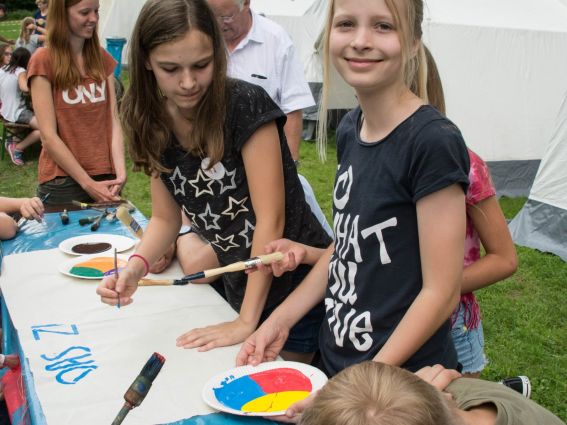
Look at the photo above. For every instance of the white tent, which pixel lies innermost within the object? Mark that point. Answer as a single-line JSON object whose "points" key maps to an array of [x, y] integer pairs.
{"points": [[542, 221], [503, 65]]}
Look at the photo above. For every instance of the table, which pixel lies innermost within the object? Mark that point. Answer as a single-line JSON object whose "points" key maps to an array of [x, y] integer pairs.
{"points": [[79, 356]]}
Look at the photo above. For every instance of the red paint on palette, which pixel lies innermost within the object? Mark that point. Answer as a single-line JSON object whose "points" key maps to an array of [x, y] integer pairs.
{"points": [[282, 379]]}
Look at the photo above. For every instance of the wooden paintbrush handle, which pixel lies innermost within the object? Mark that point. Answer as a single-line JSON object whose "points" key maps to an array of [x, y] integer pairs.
{"points": [[243, 265], [155, 282]]}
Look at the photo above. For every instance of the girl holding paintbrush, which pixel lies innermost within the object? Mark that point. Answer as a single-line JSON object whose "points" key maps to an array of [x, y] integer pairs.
{"points": [[215, 149]]}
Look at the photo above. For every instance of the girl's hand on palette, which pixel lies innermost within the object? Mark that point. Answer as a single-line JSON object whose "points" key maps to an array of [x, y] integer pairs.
{"points": [[221, 335], [293, 413], [294, 254], [101, 191], [264, 345], [110, 288]]}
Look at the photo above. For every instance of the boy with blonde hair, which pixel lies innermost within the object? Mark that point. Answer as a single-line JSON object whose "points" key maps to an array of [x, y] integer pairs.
{"points": [[372, 393]]}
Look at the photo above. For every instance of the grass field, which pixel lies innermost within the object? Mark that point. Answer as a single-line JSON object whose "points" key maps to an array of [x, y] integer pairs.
{"points": [[525, 316]]}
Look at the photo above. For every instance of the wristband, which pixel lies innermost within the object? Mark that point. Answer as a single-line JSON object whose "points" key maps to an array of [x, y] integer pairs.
{"points": [[146, 264], [2, 360]]}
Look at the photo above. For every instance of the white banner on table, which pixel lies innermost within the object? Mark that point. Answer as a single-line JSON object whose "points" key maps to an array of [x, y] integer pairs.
{"points": [[84, 355]]}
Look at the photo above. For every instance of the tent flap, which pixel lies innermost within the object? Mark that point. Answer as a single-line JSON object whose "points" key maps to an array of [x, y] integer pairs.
{"points": [[541, 226]]}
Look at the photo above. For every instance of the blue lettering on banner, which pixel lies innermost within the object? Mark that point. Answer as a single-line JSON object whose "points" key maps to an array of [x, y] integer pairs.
{"points": [[39, 328], [70, 365]]}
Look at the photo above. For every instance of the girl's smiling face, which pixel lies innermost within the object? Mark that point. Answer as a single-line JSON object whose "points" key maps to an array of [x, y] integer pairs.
{"points": [[83, 18], [183, 69], [364, 44]]}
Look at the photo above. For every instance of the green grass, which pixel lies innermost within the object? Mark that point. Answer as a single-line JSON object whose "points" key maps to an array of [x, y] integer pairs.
{"points": [[10, 29]]}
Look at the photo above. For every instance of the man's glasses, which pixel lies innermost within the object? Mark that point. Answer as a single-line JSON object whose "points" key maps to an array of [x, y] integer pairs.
{"points": [[7, 53], [227, 19]]}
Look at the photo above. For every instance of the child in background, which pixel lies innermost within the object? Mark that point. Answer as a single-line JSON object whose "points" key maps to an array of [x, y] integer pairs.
{"points": [[28, 38], [40, 15], [72, 86], [373, 393], [486, 225], [5, 54], [393, 277], [30, 208], [216, 150], [13, 87]]}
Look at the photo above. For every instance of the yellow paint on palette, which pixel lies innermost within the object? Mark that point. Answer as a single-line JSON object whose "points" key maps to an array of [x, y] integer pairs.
{"points": [[103, 264], [96, 267], [274, 402]]}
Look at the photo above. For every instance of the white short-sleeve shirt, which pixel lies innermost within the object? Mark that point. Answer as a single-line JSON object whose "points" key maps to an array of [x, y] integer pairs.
{"points": [[11, 95], [267, 57]]}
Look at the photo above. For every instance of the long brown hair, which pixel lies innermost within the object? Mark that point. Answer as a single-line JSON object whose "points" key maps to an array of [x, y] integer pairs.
{"points": [[25, 34], [146, 123], [408, 15], [66, 72]]}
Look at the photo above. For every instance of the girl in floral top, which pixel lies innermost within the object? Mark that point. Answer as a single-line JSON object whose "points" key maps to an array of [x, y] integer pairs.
{"points": [[486, 225]]}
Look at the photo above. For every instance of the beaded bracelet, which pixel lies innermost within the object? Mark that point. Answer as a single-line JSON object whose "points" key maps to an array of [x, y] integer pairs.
{"points": [[146, 264]]}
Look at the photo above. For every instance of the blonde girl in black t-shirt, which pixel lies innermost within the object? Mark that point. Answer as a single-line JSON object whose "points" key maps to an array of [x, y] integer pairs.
{"points": [[392, 278]]}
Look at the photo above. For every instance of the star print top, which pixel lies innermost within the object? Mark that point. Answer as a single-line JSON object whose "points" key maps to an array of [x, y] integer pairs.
{"points": [[217, 201]]}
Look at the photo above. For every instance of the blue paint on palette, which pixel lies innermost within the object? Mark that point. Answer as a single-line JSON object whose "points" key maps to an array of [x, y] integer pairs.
{"points": [[237, 393]]}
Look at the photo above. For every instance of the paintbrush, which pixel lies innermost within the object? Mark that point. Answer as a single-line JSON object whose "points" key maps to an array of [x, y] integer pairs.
{"points": [[100, 206], [116, 272], [96, 223], [88, 220], [127, 220], [64, 217], [140, 387], [23, 220], [234, 267]]}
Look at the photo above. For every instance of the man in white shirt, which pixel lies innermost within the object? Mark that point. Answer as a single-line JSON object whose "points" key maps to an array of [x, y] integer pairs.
{"points": [[261, 52]]}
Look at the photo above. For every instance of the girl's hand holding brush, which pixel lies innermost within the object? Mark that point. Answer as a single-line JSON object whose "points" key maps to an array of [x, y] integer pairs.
{"points": [[125, 285], [32, 208]]}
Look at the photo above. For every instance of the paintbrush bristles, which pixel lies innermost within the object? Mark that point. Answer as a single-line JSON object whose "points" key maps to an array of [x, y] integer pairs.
{"points": [[128, 221], [153, 366]]}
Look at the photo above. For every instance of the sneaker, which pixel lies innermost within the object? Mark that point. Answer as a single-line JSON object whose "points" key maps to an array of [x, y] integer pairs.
{"points": [[7, 143], [520, 384], [15, 154]]}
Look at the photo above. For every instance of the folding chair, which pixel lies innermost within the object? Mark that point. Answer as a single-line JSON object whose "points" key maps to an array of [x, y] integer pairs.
{"points": [[11, 129]]}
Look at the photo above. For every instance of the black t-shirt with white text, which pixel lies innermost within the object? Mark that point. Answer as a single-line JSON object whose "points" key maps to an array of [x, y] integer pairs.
{"points": [[375, 271]]}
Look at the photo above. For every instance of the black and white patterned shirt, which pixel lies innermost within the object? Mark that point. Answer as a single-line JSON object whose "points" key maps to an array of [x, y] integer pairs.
{"points": [[218, 203]]}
